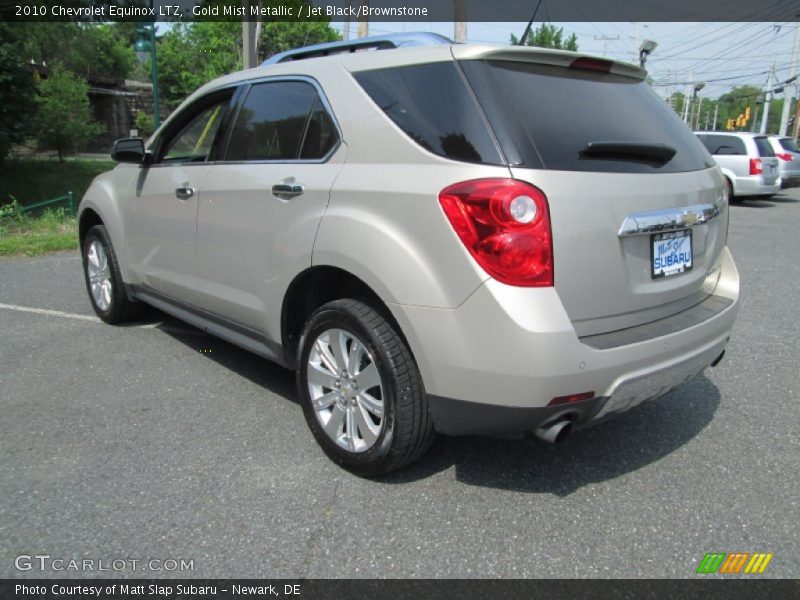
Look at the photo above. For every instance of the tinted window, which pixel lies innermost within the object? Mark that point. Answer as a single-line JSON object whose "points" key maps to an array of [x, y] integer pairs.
{"points": [[723, 144], [789, 144], [546, 116], [764, 147], [271, 122], [321, 134], [432, 105], [192, 142]]}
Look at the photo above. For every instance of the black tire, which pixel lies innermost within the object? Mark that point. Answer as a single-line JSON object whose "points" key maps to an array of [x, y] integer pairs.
{"points": [[407, 430], [729, 190], [121, 308]]}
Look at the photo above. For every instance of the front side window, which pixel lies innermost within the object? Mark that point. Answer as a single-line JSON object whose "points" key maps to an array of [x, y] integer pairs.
{"points": [[193, 141], [281, 120]]}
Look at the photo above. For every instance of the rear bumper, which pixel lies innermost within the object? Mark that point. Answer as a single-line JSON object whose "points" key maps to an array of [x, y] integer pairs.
{"points": [[754, 186], [790, 180], [494, 364]]}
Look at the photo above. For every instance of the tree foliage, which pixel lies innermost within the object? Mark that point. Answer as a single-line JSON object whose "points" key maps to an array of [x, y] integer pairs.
{"points": [[87, 49], [64, 120], [548, 35], [17, 90], [191, 54]]}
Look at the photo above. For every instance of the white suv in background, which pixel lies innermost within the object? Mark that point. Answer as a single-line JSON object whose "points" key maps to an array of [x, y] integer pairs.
{"points": [[788, 155], [747, 161]]}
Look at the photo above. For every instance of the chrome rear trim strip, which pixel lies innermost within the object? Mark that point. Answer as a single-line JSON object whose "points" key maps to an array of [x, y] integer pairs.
{"points": [[669, 219]]}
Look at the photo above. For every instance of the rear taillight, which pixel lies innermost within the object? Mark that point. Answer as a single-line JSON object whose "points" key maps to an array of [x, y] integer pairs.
{"points": [[784, 156], [505, 225], [755, 166]]}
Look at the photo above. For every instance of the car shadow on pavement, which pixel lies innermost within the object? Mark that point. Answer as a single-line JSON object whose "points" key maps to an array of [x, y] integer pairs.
{"points": [[258, 370], [753, 203], [784, 199], [630, 442]]}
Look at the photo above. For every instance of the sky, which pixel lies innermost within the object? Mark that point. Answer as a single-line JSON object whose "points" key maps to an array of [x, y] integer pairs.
{"points": [[720, 54]]}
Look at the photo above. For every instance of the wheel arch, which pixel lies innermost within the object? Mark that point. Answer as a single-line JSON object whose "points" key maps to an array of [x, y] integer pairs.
{"points": [[318, 285]]}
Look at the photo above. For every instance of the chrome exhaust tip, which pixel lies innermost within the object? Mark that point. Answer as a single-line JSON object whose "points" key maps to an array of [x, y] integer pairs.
{"points": [[554, 433]]}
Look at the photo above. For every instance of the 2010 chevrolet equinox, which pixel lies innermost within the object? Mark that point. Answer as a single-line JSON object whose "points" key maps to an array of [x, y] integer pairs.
{"points": [[455, 238]]}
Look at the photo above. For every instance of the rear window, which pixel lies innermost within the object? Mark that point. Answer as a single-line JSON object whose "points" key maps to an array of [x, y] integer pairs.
{"points": [[432, 105], [764, 147], [544, 117], [723, 144], [789, 144]]}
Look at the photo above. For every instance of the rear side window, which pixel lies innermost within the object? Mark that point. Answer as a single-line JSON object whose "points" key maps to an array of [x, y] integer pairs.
{"points": [[274, 120], [545, 117], [433, 106], [723, 144], [764, 147], [789, 145]]}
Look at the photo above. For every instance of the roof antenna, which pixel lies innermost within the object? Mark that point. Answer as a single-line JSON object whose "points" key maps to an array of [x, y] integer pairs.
{"points": [[527, 31]]}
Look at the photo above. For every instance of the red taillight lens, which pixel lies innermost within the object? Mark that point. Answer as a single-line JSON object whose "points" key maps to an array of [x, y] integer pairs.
{"points": [[505, 225], [784, 156], [755, 166]]}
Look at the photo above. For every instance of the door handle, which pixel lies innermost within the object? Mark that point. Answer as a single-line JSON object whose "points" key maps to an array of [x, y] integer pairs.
{"points": [[184, 193], [287, 189]]}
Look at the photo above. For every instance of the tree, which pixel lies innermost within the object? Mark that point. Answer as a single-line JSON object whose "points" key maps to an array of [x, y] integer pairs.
{"points": [[279, 36], [87, 49], [549, 36], [191, 54], [17, 90], [64, 120]]}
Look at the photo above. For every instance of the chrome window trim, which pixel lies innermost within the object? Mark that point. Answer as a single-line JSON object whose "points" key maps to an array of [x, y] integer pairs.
{"points": [[669, 219], [326, 105]]}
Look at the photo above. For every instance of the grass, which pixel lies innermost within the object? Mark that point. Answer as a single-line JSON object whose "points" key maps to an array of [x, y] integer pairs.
{"points": [[34, 180], [31, 236]]}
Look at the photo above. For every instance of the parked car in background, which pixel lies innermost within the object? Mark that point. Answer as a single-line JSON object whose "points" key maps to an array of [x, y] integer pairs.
{"points": [[788, 155], [747, 161], [432, 237]]}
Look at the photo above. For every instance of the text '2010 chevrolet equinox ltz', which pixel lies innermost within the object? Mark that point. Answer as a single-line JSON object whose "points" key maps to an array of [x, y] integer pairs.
{"points": [[454, 238]]}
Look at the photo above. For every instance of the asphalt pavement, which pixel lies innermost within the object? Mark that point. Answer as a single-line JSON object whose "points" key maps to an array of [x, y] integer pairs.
{"points": [[157, 442]]}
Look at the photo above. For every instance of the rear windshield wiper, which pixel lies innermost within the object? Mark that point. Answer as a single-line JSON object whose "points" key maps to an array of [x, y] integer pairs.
{"points": [[630, 150]]}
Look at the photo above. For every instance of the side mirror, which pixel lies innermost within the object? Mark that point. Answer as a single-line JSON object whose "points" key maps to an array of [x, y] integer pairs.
{"points": [[129, 150]]}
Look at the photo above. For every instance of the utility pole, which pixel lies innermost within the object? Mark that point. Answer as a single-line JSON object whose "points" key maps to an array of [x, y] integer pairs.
{"points": [[606, 38], [460, 21], [716, 113], [346, 24], [767, 100], [688, 99], [363, 21], [788, 94]]}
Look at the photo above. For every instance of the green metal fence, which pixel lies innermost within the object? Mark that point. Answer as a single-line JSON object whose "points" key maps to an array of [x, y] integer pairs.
{"points": [[67, 199]]}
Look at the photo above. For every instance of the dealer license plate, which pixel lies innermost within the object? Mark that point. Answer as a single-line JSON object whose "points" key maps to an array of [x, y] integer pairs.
{"points": [[671, 253]]}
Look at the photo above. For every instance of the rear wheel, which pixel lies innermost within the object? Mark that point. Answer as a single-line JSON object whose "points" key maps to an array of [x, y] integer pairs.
{"points": [[361, 391], [729, 191], [104, 281]]}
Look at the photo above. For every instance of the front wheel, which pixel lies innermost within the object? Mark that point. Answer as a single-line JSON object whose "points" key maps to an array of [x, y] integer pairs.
{"points": [[361, 391], [104, 281]]}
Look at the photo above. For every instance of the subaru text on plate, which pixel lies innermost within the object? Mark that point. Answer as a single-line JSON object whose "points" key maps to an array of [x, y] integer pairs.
{"points": [[445, 238]]}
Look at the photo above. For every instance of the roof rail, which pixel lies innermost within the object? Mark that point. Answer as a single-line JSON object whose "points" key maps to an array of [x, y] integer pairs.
{"points": [[376, 42]]}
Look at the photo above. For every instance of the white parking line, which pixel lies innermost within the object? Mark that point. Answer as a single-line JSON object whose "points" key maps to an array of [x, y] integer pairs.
{"points": [[67, 315], [51, 313]]}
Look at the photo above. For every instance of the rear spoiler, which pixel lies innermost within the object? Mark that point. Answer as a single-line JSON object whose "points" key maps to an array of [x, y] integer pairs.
{"points": [[547, 56]]}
